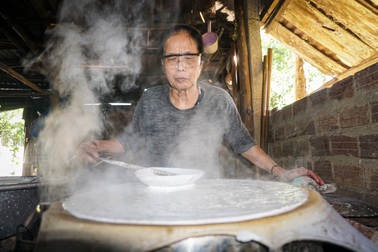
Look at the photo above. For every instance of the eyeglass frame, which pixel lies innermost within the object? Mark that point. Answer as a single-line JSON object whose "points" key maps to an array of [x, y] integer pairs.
{"points": [[179, 55]]}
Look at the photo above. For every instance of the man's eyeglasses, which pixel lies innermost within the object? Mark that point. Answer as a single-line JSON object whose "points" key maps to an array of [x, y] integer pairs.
{"points": [[188, 60]]}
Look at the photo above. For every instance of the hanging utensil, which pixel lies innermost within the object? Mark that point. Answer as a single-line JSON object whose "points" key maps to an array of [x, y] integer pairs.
{"points": [[210, 40]]}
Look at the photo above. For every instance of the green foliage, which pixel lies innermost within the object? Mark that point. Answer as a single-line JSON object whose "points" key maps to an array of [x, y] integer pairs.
{"points": [[315, 79], [12, 132], [283, 73]]}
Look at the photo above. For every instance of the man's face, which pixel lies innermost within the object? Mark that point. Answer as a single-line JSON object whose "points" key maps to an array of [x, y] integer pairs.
{"points": [[182, 72]]}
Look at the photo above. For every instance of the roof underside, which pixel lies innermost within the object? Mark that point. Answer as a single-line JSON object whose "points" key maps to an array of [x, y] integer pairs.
{"points": [[337, 37], [29, 29]]}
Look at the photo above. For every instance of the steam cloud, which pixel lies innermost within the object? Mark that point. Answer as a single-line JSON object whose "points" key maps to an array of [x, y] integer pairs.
{"points": [[91, 44]]}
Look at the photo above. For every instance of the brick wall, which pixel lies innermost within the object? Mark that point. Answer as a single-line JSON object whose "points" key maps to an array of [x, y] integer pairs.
{"points": [[334, 132]]}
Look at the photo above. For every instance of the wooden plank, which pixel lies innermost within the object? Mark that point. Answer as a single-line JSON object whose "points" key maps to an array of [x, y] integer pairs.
{"points": [[14, 41], [370, 5], [361, 20], [22, 78], [19, 93], [374, 2], [20, 31], [311, 21], [275, 11], [325, 64], [269, 13], [366, 63]]}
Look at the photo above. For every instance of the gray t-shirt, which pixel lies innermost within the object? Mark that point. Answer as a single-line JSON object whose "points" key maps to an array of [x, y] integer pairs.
{"points": [[165, 136]]}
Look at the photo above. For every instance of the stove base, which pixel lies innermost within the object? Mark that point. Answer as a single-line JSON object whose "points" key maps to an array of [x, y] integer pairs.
{"points": [[315, 221]]}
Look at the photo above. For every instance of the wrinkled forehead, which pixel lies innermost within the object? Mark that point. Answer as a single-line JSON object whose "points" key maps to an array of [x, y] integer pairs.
{"points": [[180, 42]]}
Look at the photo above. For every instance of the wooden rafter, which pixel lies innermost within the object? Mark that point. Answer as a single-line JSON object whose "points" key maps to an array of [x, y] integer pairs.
{"points": [[20, 31], [328, 33], [306, 51], [22, 78]]}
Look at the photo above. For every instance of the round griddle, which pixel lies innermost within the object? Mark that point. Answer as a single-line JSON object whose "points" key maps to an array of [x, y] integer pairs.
{"points": [[207, 202]]}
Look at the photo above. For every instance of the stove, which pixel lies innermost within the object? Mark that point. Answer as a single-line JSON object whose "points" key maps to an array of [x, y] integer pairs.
{"points": [[213, 214]]}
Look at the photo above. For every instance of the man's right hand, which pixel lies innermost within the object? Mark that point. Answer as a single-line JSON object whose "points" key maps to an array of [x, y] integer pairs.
{"points": [[88, 151]]}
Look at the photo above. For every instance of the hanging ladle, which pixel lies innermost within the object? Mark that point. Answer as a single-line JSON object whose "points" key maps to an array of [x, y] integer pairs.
{"points": [[210, 40]]}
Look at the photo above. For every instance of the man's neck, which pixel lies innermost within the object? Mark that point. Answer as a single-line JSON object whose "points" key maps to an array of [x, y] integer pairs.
{"points": [[184, 99]]}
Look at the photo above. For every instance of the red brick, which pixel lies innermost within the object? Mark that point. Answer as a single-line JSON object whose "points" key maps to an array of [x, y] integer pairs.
{"points": [[287, 113], [374, 112], [299, 106], [372, 180], [274, 116], [368, 82], [319, 97], [309, 165], [277, 151], [369, 146], [301, 148], [270, 134], [291, 130], [306, 128], [279, 134], [367, 78], [342, 89], [372, 186], [355, 116], [324, 169], [327, 123], [366, 71], [287, 149], [301, 162], [349, 175], [344, 145], [320, 146]]}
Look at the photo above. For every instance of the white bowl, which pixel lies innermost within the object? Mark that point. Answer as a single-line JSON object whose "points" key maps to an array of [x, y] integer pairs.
{"points": [[176, 176]]}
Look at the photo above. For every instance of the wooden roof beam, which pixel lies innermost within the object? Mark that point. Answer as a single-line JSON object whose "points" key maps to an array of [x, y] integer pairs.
{"points": [[364, 21], [21, 32], [22, 78], [12, 39], [300, 47], [275, 11], [309, 20]]}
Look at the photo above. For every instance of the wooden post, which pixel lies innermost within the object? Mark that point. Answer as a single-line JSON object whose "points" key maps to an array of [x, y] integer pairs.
{"points": [[234, 76], [245, 94], [300, 79], [250, 65], [268, 59], [255, 62]]}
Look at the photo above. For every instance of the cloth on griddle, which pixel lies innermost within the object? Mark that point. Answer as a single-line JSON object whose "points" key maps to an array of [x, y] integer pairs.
{"points": [[308, 182]]}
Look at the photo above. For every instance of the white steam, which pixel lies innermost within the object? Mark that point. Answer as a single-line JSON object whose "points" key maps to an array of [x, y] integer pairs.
{"points": [[90, 45]]}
